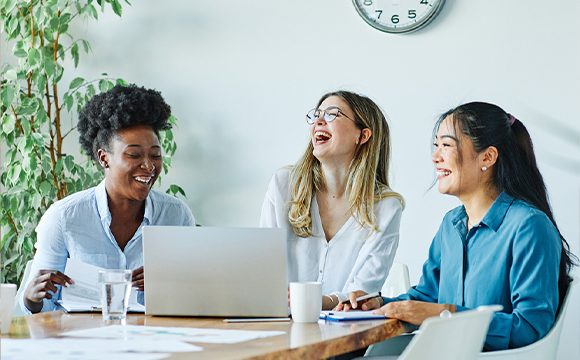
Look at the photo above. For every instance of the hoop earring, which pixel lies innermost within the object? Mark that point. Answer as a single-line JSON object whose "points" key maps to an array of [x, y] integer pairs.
{"points": [[484, 168]]}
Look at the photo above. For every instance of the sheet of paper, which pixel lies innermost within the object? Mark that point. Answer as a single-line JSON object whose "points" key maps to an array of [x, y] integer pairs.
{"points": [[349, 315], [85, 293], [89, 349], [214, 336]]}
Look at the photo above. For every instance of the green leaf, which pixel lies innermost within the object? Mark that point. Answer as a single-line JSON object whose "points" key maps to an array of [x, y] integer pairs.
{"points": [[48, 66], [46, 164], [9, 6], [25, 110], [54, 24], [103, 85], [117, 7], [95, 13], [86, 46], [15, 173], [62, 3], [59, 73], [177, 189], [41, 84], [76, 83], [122, 82], [21, 53], [45, 188], [8, 123], [7, 96], [69, 101], [11, 75], [33, 57], [75, 54], [69, 162], [59, 166], [91, 91]]}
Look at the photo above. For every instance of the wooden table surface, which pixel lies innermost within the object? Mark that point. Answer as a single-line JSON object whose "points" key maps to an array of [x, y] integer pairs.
{"points": [[300, 341]]}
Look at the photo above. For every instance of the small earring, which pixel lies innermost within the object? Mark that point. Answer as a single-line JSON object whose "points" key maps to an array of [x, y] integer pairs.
{"points": [[105, 165], [484, 168]]}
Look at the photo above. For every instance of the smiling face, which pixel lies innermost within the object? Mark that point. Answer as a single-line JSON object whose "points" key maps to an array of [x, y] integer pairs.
{"points": [[133, 164], [336, 140], [459, 177]]}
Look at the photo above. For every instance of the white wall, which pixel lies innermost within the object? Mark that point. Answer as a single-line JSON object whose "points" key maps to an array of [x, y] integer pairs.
{"points": [[240, 75]]}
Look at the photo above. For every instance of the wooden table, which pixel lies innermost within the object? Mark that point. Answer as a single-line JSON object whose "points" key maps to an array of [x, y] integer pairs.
{"points": [[301, 341]]}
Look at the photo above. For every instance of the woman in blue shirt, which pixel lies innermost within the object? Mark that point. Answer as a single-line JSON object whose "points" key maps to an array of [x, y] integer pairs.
{"points": [[102, 226], [502, 246]]}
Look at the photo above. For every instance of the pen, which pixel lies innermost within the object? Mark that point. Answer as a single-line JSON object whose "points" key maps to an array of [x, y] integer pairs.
{"points": [[364, 297]]}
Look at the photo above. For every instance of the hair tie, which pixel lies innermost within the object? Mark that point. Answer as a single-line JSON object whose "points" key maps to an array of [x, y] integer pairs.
{"points": [[512, 119]]}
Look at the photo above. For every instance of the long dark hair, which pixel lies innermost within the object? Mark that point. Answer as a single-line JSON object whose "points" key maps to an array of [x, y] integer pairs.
{"points": [[515, 170]]}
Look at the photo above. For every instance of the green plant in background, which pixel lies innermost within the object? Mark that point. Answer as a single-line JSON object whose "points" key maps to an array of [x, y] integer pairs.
{"points": [[37, 115]]}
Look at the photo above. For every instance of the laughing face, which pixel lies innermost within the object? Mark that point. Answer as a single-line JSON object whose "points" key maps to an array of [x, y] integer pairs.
{"points": [[456, 178], [336, 140], [133, 164]]}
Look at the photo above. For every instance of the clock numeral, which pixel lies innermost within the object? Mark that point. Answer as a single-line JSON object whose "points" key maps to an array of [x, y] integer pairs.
{"points": [[395, 19], [412, 14], [424, 2], [380, 13], [367, 2]]}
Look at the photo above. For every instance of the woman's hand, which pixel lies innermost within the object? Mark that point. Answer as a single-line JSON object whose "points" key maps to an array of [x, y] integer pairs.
{"points": [[365, 305], [138, 281], [38, 289], [414, 312]]}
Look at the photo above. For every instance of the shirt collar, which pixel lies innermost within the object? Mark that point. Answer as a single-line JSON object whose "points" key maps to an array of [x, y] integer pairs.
{"points": [[103, 204], [494, 216], [498, 211]]}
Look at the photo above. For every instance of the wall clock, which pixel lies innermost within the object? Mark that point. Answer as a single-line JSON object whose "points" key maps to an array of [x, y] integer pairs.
{"points": [[398, 16]]}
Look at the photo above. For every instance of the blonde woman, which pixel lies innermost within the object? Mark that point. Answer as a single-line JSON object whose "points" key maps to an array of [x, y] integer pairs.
{"points": [[341, 215]]}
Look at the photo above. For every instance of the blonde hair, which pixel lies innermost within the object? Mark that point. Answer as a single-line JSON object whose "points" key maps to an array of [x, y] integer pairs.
{"points": [[367, 174]]}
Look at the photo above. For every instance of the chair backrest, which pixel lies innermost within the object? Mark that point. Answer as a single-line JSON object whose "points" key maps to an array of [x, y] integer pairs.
{"points": [[17, 310], [397, 282], [458, 337], [544, 349]]}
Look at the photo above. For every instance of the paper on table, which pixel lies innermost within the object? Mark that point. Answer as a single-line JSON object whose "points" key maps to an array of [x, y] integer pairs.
{"points": [[214, 336], [91, 349], [85, 294], [349, 315], [76, 345]]}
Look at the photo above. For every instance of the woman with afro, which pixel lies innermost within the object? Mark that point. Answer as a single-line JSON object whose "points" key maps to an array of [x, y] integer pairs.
{"points": [[102, 226]]}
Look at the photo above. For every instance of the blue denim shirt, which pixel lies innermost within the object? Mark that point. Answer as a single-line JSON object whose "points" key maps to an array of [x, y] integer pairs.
{"points": [[511, 258], [78, 227]]}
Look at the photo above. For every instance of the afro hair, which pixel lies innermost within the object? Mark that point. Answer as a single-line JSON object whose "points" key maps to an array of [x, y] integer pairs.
{"points": [[120, 108]]}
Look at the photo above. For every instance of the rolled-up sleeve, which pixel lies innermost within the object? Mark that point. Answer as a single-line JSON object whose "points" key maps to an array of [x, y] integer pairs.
{"points": [[51, 254]]}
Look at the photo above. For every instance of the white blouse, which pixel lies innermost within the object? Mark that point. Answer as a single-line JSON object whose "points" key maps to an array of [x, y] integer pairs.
{"points": [[351, 260]]}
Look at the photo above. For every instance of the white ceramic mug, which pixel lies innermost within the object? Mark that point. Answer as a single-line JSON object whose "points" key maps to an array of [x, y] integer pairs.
{"points": [[305, 301], [7, 294]]}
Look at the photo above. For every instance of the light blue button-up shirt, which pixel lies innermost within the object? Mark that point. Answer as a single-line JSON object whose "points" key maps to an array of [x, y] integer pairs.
{"points": [[511, 258], [78, 227]]}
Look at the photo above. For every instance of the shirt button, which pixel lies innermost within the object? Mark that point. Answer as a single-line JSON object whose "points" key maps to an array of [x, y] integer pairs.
{"points": [[321, 271]]}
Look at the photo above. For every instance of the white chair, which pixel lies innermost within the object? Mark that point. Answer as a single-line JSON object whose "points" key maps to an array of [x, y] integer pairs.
{"points": [[458, 337], [397, 282], [17, 310], [544, 349]]}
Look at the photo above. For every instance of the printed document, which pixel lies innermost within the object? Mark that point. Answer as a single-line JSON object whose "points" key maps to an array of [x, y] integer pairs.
{"points": [[85, 294]]}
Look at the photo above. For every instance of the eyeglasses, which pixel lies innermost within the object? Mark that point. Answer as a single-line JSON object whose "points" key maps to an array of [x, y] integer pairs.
{"points": [[329, 115]]}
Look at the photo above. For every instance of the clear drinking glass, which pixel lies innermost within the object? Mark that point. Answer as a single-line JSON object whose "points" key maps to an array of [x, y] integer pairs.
{"points": [[115, 290]]}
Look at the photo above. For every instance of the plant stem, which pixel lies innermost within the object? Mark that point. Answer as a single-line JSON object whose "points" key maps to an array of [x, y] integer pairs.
{"points": [[12, 223]]}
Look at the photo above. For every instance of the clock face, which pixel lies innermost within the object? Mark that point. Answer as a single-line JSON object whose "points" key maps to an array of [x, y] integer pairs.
{"points": [[398, 16]]}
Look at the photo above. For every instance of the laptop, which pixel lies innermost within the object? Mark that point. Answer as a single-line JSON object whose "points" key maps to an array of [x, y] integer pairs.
{"points": [[215, 271]]}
